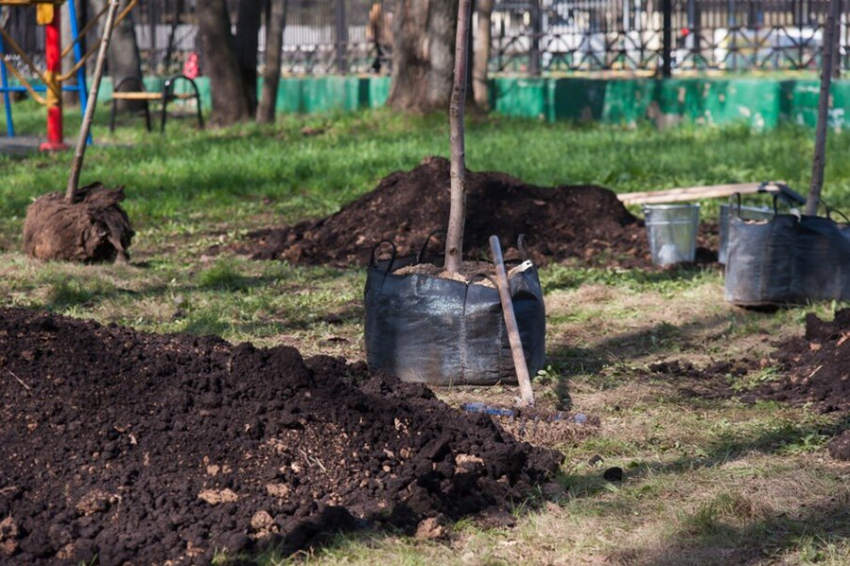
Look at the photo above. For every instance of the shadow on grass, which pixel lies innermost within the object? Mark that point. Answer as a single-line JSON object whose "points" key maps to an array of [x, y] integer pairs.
{"points": [[654, 340], [787, 438], [728, 531]]}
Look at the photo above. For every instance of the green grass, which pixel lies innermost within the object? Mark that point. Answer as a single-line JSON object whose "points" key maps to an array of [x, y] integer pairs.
{"points": [[709, 480]]}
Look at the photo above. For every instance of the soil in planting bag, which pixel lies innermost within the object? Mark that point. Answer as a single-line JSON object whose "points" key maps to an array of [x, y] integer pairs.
{"points": [[788, 260], [422, 328]]}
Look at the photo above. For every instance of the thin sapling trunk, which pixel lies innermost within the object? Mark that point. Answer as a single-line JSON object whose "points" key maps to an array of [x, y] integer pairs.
{"points": [[819, 161], [457, 212], [79, 153]]}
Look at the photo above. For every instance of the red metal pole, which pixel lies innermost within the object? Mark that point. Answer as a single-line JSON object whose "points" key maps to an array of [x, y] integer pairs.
{"points": [[53, 59]]}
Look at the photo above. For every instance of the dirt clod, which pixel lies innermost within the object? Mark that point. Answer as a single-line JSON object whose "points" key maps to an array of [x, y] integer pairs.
{"points": [[262, 521], [9, 534], [613, 474], [430, 529], [111, 450], [93, 229], [584, 224]]}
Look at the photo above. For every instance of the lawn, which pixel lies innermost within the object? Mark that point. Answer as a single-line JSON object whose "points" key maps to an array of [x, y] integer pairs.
{"points": [[708, 480]]}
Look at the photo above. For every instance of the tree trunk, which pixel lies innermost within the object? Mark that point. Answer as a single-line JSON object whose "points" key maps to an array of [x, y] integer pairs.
{"points": [[247, 46], [423, 54], [819, 161], [123, 59], [457, 212], [275, 24], [482, 55], [229, 98], [68, 60]]}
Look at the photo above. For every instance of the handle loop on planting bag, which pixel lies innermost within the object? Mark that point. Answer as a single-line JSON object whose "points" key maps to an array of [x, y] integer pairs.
{"points": [[372, 261]]}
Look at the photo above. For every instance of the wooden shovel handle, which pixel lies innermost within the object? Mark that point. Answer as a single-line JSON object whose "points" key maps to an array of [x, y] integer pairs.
{"points": [[510, 323]]}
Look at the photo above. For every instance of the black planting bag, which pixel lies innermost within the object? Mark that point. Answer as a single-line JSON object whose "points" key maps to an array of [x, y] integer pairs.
{"points": [[421, 328], [759, 261], [822, 256], [787, 260]]}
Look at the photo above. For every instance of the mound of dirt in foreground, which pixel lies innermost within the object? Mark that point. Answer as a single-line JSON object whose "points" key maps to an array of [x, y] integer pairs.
{"points": [[817, 366], [583, 223], [152, 448]]}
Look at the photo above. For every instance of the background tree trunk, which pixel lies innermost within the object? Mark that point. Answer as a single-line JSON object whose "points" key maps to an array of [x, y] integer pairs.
{"points": [[482, 55], [247, 46], [68, 60], [275, 24], [423, 54], [229, 99], [123, 59]]}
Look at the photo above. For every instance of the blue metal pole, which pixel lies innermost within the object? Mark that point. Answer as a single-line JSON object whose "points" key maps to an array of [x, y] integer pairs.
{"points": [[7, 102], [78, 55]]}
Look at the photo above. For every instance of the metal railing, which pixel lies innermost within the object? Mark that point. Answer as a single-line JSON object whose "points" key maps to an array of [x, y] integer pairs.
{"points": [[534, 37], [320, 37], [661, 36]]}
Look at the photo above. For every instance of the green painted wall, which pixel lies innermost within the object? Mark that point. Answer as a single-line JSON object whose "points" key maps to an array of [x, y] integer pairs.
{"points": [[762, 103], [305, 95]]}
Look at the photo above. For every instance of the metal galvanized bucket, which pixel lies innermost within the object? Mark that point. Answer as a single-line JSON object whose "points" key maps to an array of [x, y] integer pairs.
{"points": [[672, 232], [742, 212]]}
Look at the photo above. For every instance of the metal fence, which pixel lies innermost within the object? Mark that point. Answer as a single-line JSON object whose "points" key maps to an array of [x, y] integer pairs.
{"points": [[659, 35], [320, 37], [533, 37]]}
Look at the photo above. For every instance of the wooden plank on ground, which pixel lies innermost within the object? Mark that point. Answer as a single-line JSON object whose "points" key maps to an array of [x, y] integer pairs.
{"points": [[690, 193]]}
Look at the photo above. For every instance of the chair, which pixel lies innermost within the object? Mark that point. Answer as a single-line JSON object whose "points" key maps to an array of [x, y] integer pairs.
{"points": [[137, 92]]}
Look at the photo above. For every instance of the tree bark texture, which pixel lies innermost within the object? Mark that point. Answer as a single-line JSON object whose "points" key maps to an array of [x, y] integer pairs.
{"points": [[123, 59], [247, 46], [229, 98], [423, 54], [271, 74], [482, 55], [457, 212]]}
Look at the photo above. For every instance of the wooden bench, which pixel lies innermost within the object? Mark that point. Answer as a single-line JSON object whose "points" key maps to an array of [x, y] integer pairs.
{"points": [[137, 92]]}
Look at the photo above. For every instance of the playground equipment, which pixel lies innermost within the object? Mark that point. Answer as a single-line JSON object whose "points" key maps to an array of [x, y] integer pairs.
{"points": [[48, 14]]}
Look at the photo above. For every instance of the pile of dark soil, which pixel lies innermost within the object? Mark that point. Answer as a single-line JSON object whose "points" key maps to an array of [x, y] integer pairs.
{"points": [[92, 229], [162, 448], [586, 224], [816, 366]]}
